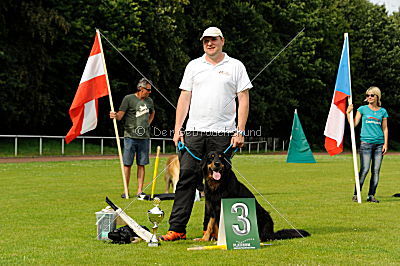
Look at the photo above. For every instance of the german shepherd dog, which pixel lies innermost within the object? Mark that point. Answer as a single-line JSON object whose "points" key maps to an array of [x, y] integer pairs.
{"points": [[221, 182]]}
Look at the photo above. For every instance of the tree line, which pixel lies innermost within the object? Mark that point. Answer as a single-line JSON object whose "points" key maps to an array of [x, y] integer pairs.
{"points": [[44, 46]]}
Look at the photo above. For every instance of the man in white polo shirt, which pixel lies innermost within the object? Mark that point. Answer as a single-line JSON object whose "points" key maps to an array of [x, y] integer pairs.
{"points": [[209, 89]]}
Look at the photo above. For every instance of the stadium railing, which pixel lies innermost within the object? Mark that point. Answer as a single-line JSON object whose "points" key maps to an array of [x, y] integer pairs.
{"points": [[265, 145]]}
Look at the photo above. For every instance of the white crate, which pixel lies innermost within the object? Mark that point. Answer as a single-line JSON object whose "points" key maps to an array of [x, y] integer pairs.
{"points": [[106, 222]]}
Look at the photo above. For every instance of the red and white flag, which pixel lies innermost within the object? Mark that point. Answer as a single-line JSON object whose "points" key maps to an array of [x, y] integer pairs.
{"points": [[93, 85]]}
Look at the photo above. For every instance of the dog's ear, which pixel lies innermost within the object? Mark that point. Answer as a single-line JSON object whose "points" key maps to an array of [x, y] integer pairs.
{"points": [[204, 160], [203, 165], [226, 160]]}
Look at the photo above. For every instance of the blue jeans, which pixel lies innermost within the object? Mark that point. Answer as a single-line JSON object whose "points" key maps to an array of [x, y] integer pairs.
{"points": [[140, 147], [370, 153]]}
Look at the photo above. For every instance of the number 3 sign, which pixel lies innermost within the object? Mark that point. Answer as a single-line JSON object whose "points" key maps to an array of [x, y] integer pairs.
{"points": [[238, 224]]}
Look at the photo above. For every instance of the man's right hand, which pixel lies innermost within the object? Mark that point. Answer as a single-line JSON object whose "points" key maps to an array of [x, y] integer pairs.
{"points": [[113, 114], [178, 136]]}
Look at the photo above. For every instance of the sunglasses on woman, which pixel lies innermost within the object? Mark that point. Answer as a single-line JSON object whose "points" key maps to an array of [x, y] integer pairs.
{"points": [[370, 95]]}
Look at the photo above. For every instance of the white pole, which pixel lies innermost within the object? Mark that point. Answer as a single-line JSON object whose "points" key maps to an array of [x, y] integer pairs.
{"points": [[40, 146], [16, 146], [62, 146], [353, 139], [114, 120], [149, 146]]}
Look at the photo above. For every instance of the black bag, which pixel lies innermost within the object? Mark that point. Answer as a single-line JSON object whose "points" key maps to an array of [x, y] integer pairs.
{"points": [[123, 235]]}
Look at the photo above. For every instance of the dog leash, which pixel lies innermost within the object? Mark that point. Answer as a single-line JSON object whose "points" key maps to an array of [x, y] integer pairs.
{"points": [[182, 146], [234, 151]]}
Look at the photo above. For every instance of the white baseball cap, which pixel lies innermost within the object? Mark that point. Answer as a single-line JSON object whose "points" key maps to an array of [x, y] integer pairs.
{"points": [[212, 32]]}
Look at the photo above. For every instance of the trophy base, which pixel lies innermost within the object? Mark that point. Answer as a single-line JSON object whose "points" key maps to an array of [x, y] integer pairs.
{"points": [[153, 244]]}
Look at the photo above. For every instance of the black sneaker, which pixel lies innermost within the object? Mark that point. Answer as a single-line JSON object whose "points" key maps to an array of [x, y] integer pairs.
{"points": [[372, 199], [354, 198], [123, 196]]}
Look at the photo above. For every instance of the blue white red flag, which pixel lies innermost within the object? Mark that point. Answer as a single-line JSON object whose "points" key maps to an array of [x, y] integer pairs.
{"points": [[334, 128]]}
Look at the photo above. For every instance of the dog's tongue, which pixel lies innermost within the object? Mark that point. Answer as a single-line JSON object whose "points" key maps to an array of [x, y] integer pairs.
{"points": [[216, 175]]}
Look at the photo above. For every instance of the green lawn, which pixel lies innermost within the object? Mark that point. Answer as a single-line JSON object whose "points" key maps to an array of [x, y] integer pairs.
{"points": [[48, 215]]}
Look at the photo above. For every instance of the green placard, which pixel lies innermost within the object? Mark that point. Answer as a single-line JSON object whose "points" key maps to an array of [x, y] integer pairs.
{"points": [[299, 150], [238, 224]]}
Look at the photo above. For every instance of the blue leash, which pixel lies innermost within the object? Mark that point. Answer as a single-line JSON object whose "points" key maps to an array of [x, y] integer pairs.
{"points": [[182, 146], [230, 146]]}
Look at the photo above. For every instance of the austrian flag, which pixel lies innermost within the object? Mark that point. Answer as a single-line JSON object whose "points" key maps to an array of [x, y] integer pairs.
{"points": [[334, 128], [93, 85]]}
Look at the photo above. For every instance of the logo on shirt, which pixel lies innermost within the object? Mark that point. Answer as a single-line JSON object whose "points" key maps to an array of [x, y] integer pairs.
{"points": [[142, 110], [224, 73], [373, 120]]}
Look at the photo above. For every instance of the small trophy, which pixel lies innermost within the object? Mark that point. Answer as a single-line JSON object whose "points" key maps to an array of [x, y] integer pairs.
{"points": [[156, 215]]}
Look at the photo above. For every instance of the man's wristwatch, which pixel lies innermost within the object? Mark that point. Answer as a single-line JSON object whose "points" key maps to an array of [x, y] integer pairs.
{"points": [[240, 132]]}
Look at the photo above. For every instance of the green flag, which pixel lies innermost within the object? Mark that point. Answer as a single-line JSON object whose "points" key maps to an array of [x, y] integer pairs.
{"points": [[299, 150]]}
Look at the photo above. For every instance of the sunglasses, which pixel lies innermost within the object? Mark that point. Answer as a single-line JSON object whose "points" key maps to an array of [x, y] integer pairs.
{"points": [[146, 89], [370, 95]]}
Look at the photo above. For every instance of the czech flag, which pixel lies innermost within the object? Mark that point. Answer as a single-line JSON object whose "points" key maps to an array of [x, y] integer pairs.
{"points": [[334, 128], [93, 85]]}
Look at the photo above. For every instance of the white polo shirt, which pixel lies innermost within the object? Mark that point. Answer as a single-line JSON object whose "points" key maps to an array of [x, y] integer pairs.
{"points": [[214, 88]]}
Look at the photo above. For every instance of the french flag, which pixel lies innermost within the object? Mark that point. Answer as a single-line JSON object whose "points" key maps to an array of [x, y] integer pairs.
{"points": [[334, 128], [93, 85]]}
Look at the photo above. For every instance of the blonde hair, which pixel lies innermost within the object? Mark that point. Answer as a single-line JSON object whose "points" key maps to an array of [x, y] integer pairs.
{"points": [[376, 91]]}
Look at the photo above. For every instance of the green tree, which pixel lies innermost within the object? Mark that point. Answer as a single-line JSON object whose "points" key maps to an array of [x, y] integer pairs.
{"points": [[29, 32], [45, 45]]}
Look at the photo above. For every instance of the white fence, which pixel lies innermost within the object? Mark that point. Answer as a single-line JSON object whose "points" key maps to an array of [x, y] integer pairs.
{"points": [[261, 146]]}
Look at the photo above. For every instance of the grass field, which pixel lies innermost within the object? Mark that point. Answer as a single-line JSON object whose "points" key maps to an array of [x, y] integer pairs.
{"points": [[48, 215]]}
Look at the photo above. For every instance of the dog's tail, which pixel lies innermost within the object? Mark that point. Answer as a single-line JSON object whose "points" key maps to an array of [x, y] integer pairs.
{"points": [[290, 233]]}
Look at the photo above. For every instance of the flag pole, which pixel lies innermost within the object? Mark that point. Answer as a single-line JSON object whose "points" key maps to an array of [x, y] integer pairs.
{"points": [[353, 139], [114, 120]]}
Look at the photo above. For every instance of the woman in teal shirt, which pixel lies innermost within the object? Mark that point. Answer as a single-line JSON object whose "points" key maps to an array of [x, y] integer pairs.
{"points": [[374, 139]]}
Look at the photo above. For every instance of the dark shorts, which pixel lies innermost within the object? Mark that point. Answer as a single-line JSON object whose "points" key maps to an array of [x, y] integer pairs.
{"points": [[140, 147]]}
